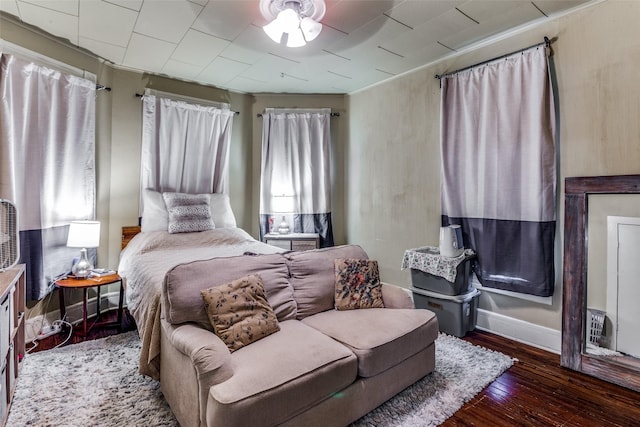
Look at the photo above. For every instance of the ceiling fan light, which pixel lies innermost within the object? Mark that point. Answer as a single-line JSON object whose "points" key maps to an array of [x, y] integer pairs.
{"points": [[310, 28], [289, 20], [296, 39], [274, 31]]}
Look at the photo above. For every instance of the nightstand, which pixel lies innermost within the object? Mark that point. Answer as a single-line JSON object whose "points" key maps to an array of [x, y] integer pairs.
{"points": [[85, 284], [293, 241]]}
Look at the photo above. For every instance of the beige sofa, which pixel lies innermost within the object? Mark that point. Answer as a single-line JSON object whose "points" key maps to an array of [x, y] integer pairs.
{"points": [[324, 367]]}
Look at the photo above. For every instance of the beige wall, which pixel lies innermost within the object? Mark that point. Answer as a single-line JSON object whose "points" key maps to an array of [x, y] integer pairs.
{"points": [[340, 162], [394, 180]]}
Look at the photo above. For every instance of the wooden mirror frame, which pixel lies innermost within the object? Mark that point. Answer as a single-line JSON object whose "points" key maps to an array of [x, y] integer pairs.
{"points": [[574, 292]]}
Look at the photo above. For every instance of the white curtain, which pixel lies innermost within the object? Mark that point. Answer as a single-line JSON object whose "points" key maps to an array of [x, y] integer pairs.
{"points": [[47, 162], [185, 146], [499, 169], [296, 171]]}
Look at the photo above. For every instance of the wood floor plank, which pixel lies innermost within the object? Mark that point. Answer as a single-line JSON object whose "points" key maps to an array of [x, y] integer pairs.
{"points": [[537, 391]]}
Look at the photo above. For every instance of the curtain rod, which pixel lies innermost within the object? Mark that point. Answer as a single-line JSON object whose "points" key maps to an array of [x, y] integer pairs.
{"points": [[140, 95], [545, 43], [332, 115]]}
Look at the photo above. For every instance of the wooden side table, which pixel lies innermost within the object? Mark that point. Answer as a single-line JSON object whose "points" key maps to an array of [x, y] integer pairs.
{"points": [[85, 284]]}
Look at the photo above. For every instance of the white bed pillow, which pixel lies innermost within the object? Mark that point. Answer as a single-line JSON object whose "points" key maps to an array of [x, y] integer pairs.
{"points": [[155, 216], [221, 212]]}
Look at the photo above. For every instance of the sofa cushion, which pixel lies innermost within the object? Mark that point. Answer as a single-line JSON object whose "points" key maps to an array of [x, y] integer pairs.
{"points": [[357, 284], [313, 277], [379, 337], [239, 311], [182, 301], [280, 375]]}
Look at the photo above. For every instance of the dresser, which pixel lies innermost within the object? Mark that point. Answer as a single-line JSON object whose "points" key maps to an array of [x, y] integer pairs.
{"points": [[12, 345], [293, 241]]}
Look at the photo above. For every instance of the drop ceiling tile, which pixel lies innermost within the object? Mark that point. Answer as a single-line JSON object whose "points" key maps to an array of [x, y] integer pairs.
{"points": [[319, 64], [243, 84], [225, 19], [414, 13], [349, 15], [221, 71], [498, 23], [425, 55], [166, 20], [431, 31], [59, 24], [375, 33], [104, 50], [181, 70], [269, 67], [198, 48], [106, 22], [10, 6], [251, 45], [70, 7], [147, 53], [487, 10], [129, 4], [550, 7]]}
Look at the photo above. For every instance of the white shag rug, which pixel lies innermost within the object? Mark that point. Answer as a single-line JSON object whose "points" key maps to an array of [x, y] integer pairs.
{"points": [[96, 383]]}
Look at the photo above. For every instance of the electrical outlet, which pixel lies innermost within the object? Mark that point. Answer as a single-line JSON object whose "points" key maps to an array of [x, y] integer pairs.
{"points": [[47, 331]]}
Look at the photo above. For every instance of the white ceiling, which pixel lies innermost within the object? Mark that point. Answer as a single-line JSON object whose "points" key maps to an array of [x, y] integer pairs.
{"points": [[221, 42]]}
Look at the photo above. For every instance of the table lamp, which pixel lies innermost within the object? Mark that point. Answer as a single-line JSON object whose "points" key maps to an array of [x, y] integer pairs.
{"points": [[283, 204], [83, 234]]}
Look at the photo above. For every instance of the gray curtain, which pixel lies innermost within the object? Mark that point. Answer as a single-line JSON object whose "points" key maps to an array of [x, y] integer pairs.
{"points": [[499, 169], [47, 162], [185, 145], [295, 181]]}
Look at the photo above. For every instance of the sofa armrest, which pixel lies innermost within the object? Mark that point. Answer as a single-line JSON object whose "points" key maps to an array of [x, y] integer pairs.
{"points": [[396, 297], [208, 353]]}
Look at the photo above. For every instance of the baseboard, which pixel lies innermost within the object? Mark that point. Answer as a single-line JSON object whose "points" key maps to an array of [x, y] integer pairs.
{"points": [[519, 330], [33, 325]]}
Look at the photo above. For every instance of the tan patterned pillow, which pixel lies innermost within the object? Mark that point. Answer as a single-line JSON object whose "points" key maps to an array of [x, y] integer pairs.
{"points": [[357, 284], [239, 311]]}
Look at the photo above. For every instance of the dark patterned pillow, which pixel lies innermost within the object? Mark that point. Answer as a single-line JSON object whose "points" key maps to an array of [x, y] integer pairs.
{"points": [[239, 311], [357, 284], [188, 212]]}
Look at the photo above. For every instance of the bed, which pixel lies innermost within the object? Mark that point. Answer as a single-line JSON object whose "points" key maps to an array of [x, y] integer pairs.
{"points": [[148, 255]]}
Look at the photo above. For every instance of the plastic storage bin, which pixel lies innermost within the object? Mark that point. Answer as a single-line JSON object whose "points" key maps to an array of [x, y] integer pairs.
{"points": [[456, 314], [433, 283]]}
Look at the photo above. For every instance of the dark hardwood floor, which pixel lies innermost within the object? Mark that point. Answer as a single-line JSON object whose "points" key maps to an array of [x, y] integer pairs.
{"points": [[536, 391]]}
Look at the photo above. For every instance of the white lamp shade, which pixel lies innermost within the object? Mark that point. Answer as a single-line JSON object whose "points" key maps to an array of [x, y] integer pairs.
{"points": [[296, 39], [310, 28], [282, 203], [288, 20], [274, 31], [84, 234]]}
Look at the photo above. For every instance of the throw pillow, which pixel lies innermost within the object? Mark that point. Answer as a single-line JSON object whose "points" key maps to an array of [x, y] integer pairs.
{"points": [[188, 212], [239, 311], [357, 284]]}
